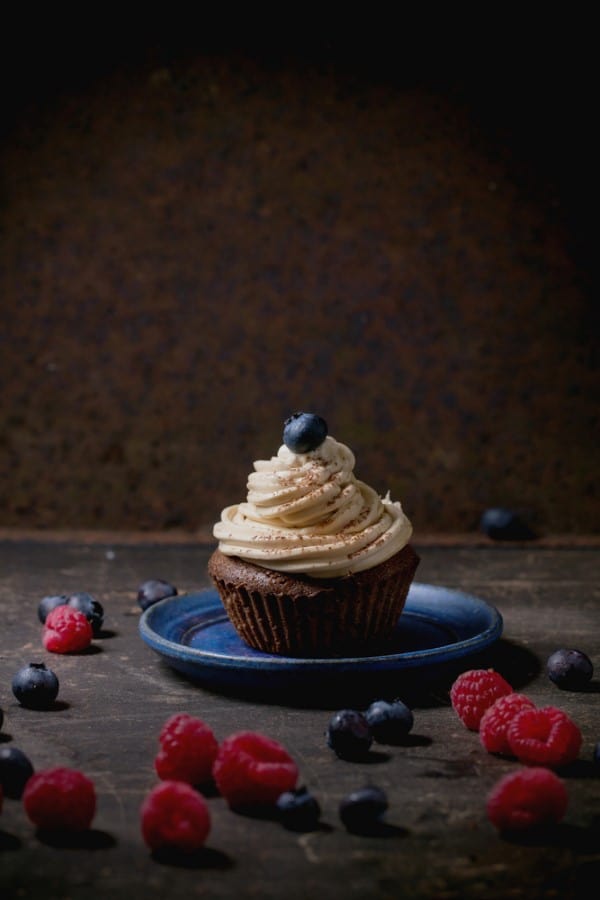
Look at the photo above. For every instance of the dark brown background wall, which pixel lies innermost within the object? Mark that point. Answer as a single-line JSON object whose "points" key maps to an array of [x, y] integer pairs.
{"points": [[199, 237]]}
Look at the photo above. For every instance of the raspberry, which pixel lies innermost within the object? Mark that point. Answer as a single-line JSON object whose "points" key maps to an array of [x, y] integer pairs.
{"points": [[544, 737], [526, 798], [66, 630], [474, 691], [187, 750], [497, 718], [174, 815], [60, 798], [253, 770]]}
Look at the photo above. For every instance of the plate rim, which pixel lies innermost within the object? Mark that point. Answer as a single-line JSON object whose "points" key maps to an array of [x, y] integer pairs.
{"points": [[191, 656]]}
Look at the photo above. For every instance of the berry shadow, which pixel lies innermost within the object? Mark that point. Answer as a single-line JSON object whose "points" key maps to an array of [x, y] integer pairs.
{"points": [[204, 858], [269, 813], [55, 706], [5, 738], [379, 830], [9, 841], [106, 634], [90, 650], [593, 687], [579, 839], [90, 839], [411, 740], [580, 768]]}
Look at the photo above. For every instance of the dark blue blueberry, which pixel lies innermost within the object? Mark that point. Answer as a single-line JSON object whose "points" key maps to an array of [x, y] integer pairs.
{"points": [[90, 607], [298, 810], [47, 604], [153, 590], [304, 432], [15, 771], [570, 670], [502, 524], [35, 686], [596, 753], [349, 735], [389, 722], [362, 810]]}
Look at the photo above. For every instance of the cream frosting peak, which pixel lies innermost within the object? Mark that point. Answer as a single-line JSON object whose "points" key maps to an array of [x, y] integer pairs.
{"points": [[307, 513]]}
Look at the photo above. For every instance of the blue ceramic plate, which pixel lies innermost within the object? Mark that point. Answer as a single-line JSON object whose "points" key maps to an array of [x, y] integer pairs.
{"points": [[438, 627]]}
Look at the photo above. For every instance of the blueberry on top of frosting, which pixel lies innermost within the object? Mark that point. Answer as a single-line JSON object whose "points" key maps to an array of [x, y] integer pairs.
{"points": [[304, 432]]}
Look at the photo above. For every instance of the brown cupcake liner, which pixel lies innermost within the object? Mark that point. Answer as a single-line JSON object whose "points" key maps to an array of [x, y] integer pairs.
{"points": [[352, 615]]}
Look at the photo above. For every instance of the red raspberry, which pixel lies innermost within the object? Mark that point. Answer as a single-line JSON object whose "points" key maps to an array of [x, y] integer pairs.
{"points": [[187, 750], [174, 815], [60, 798], [544, 737], [474, 691], [253, 770], [66, 630], [497, 718], [526, 798]]}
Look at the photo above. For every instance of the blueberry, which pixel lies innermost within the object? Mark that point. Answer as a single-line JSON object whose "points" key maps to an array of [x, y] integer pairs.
{"points": [[90, 607], [502, 524], [153, 590], [362, 810], [47, 604], [298, 810], [35, 686], [389, 722], [15, 771], [349, 735], [570, 670], [304, 432], [596, 753]]}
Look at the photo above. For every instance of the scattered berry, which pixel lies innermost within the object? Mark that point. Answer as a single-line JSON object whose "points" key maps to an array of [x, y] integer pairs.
{"points": [[176, 816], [60, 798], [253, 770], [35, 686], [304, 432], [544, 737], [15, 771], [298, 810], [526, 798], [502, 524], [474, 691], [349, 735], [188, 749], [66, 631], [570, 670], [47, 604], [153, 590], [362, 810], [497, 718], [91, 608], [389, 723]]}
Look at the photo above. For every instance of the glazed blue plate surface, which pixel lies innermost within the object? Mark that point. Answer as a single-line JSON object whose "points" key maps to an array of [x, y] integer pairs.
{"points": [[438, 626]]}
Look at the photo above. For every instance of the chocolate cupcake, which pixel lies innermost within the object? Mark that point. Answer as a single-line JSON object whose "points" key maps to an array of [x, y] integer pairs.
{"points": [[315, 563]]}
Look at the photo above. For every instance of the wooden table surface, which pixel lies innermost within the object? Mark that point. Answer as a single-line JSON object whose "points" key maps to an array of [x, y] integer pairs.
{"points": [[114, 701]]}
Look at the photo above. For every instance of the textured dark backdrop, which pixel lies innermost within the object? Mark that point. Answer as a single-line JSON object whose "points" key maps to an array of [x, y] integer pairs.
{"points": [[199, 237]]}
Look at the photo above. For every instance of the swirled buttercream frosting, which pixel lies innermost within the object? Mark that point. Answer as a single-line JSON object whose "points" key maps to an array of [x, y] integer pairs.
{"points": [[307, 513]]}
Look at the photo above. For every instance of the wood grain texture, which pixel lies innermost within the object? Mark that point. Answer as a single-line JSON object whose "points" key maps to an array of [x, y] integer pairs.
{"points": [[114, 700]]}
